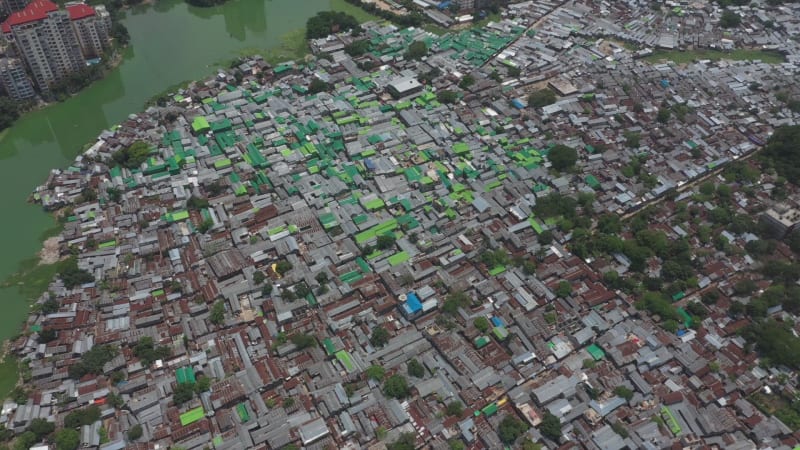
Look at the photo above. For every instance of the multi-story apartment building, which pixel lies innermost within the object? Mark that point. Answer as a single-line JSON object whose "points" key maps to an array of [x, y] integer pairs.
{"points": [[54, 43], [14, 79], [10, 6], [90, 29]]}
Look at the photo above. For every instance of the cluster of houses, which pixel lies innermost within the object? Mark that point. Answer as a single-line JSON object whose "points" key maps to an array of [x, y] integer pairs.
{"points": [[274, 222]]}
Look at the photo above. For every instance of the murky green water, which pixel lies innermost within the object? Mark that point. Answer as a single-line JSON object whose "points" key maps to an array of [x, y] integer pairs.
{"points": [[170, 42]]}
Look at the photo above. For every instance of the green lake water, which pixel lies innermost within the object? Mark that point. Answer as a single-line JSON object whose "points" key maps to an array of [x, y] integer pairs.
{"points": [[170, 43]]}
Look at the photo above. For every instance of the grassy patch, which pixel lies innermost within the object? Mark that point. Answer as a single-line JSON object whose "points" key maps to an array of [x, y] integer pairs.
{"points": [[686, 57], [360, 15], [33, 278], [9, 372], [778, 406]]}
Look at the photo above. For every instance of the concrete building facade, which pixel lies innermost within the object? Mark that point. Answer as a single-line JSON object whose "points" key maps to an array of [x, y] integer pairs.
{"points": [[14, 79]]}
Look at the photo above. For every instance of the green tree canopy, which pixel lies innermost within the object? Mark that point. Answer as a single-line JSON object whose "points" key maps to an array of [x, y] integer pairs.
{"points": [[417, 50], [416, 369], [482, 324], [375, 372], [562, 157], [550, 427], [379, 337], [67, 439], [541, 98], [396, 386], [327, 22], [511, 429]]}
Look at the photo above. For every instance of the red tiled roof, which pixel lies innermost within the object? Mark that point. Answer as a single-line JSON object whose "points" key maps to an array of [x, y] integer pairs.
{"points": [[80, 11], [36, 10]]}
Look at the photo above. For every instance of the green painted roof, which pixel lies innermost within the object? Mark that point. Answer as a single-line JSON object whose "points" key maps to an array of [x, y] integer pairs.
{"points": [[192, 416]]}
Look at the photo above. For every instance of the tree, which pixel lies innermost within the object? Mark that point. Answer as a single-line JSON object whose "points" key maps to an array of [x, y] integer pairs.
{"points": [[316, 86], [205, 226], [259, 277], [589, 363], [182, 393], [9, 112], [416, 369], [550, 427], [46, 335], [147, 351], [41, 428], [67, 439], [396, 386], [72, 276], [303, 341], [92, 362], [467, 81], [357, 48], [283, 266], [81, 417], [327, 22], [417, 50], [375, 372], [217, 315], [406, 441], [729, 19], [510, 429], [482, 324], [446, 96], [135, 432], [541, 98], [385, 242], [133, 156], [454, 409], [196, 203], [456, 444], [562, 157], [564, 289], [623, 392], [203, 384], [663, 115], [514, 71], [379, 337]]}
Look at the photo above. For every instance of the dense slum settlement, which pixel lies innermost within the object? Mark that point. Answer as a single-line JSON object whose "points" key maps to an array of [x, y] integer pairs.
{"points": [[357, 249]]}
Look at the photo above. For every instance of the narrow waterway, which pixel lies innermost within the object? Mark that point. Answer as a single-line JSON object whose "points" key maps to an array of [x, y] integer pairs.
{"points": [[170, 43]]}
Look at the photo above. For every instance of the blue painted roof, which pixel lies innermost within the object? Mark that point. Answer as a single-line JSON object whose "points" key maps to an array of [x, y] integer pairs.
{"points": [[412, 303], [498, 322], [518, 103]]}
